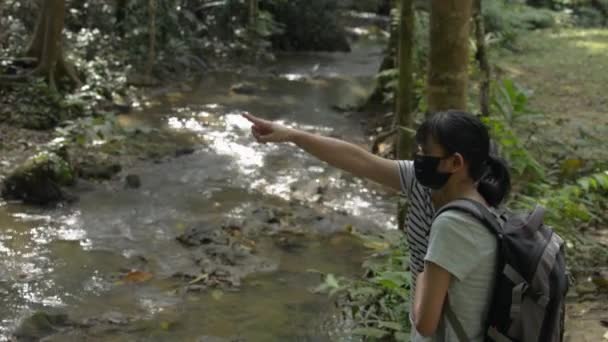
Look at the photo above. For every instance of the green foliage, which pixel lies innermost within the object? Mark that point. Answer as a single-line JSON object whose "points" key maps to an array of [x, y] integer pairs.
{"points": [[379, 302], [511, 100], [521, 162], [266, 26], [309, 25], [588, 16], [43, 109], [367, 5], [91, 130], [504, 21], [572, 208]]}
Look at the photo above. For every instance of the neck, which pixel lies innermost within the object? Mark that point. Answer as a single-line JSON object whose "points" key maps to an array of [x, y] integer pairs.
{"points": [[454, 190]]}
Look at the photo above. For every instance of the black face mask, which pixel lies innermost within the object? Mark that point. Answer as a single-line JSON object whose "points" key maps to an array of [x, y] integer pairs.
{"points": [[425, 168]]}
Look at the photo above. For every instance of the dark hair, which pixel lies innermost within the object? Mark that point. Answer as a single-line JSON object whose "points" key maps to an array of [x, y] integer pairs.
{"points": [[464, 133]]}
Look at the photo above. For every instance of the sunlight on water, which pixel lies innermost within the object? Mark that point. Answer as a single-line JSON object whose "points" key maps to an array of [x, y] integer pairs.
{"points": [[247, 158], [236, 143], [71, 228], [31, 217], [280, 187], [294, 77], [190, 124]]}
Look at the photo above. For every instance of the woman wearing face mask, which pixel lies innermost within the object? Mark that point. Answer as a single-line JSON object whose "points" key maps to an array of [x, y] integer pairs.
{"points": [[454, 161], [398, 175]]}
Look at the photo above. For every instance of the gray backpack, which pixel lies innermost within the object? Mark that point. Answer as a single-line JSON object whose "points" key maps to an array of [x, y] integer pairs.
{"points": [[528, 303]]}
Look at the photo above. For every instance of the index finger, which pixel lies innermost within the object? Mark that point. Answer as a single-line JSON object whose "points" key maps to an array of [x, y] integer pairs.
{"points": [[254, 119]]}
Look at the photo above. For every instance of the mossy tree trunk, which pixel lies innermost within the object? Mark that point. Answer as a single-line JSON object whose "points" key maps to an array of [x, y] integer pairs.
{"points": [[404, 101], [449, 54], [46, 45], [482, 59]]}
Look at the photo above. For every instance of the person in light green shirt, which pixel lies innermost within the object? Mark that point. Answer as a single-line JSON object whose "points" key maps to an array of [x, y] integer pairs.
{"points": [[454, 161]]}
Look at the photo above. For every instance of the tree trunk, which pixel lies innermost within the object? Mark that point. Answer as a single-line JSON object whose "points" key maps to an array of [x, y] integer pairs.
{"points": [[376, 98], [482, 59], [253, 14], [449, 55], [405, 91], [46, 46], [120, 13], [151, 39]]}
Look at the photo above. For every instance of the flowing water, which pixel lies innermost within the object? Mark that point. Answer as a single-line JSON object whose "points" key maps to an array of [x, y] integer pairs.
{"points": [[72, 259]]}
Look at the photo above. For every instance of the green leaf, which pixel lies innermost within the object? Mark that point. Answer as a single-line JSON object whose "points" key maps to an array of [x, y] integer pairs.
{"points": [[402, 337], [331, 281], [391, 325], [370, 332]]}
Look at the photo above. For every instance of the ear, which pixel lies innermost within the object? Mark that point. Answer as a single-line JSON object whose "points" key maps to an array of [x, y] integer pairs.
{"points": [[457, 162]]}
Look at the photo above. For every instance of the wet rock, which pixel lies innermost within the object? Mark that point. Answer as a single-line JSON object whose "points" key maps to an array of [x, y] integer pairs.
{"points": [[98, 169], [40, 178], [198, 236], [244, 88], [133, 181], [182, 151], [40, 325], [222, 259], [288, 242]]}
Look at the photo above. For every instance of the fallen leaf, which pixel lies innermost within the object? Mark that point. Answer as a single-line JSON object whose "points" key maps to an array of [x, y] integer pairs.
{"points": [[166, 325], [217, 294], [137, 277]]}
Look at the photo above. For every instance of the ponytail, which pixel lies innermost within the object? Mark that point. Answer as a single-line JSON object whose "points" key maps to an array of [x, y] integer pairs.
{"points": [[495, 184]]}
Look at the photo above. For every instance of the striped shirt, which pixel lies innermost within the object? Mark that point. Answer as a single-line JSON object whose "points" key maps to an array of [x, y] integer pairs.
{"points": [[419, 218]]}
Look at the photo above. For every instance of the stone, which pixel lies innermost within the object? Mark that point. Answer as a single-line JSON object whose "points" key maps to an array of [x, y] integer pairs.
{"points": [[39, 179], [98, 169], [244, 88], [132, 181], [182, 151], [40, 325]]}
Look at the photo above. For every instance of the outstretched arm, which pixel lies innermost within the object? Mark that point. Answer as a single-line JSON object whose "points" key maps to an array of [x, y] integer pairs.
{"points": [[338, 153]]}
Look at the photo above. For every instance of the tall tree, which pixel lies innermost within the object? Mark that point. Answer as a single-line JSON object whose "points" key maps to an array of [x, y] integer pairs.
{"points": [[449, 54], [405, 90], [46, 46], [482, 58]]}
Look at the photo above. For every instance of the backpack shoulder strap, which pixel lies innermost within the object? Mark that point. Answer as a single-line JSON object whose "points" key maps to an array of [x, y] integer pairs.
{"points": [[478, 210], [455, 323]]}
